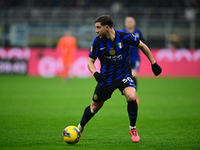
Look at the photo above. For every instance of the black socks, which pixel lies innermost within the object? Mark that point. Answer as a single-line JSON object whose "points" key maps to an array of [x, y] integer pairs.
{"points": [[132, 109], [87, 115]]}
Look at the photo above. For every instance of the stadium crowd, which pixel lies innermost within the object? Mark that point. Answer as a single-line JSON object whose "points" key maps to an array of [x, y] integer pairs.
{"points": [[99, 3]]}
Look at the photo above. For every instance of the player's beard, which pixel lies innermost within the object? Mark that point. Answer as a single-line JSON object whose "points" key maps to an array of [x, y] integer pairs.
{"points": [[102, 35]]}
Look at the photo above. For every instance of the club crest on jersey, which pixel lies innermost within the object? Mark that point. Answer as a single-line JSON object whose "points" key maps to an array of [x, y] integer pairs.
{"points": [[112, 52], [120, 45]]}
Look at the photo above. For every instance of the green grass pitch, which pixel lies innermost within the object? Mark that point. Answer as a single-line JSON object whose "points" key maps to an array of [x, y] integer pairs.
{"points": [[34, 111]]}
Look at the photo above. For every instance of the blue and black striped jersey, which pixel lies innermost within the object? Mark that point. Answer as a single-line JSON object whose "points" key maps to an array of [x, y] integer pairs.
{"points": [[133, 51], [114, 56]]}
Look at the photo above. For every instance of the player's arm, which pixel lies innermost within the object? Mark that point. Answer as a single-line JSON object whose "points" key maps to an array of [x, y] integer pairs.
{"points": [[155, 67], [92, 57], [146, 51], [60, 46], [98, 76], [91, 65]]}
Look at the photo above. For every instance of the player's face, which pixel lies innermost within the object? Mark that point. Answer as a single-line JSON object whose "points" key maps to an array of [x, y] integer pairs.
{"points": [[129, 23], [100, 30]]}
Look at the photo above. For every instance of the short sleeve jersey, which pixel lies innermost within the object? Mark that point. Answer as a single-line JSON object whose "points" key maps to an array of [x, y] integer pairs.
{"points": [[133, 51], [114, 55]]}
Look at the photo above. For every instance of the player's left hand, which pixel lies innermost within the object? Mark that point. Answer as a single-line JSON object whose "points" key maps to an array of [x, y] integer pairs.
{"points": [[156, 69]]}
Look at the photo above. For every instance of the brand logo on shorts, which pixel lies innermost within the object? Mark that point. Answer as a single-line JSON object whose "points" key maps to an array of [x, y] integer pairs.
{"points": [[95, 97]]}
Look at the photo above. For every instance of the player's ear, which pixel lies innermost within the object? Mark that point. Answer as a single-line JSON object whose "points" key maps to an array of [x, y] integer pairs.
{"points": [[107, 27]]}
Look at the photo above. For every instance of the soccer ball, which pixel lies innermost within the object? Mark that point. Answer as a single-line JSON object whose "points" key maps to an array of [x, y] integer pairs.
{"points": [[71, 135]]}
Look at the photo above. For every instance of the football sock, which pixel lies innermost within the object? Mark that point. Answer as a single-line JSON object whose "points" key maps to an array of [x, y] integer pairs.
{"points": [[132, 109], [135, 81], [87, 115], [80, 127], [132, 127]]}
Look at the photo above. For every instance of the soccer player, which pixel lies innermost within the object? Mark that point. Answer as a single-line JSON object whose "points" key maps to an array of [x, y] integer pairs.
{"points": [[67, 47], [112, 47], [134, 57]]}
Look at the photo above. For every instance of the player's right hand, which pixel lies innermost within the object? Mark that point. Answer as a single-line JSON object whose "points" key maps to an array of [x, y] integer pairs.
{"points": [[99, 77]]}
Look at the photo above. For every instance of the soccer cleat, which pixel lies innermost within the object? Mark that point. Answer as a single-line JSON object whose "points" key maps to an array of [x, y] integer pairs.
{"points": [[134, 135], [80, 127]]}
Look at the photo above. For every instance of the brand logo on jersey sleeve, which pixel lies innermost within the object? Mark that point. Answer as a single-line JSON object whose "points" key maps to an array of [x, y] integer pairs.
{"points": [[135, 37], [137, 34], [91, 48]]}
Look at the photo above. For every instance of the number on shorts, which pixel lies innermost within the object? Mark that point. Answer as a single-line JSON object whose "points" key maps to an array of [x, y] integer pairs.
{"points": [[127, 79]]}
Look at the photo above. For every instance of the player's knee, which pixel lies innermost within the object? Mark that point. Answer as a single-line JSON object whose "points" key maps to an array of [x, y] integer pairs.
{"points": [[130, 97], [134, 73], [95, 107], [94, 110]]}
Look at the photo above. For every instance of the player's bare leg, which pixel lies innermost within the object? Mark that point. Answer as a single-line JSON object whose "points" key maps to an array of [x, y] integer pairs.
{"points": [[65, 73], [129, 93], [94, 107], [89, 112], [132, 109], [134, 74]]}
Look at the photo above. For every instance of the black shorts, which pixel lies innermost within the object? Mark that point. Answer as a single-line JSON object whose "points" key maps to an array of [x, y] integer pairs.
{"points": [[102, 93]]}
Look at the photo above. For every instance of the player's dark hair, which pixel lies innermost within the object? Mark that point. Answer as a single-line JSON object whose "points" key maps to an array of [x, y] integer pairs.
{"points": [[105, 20]]}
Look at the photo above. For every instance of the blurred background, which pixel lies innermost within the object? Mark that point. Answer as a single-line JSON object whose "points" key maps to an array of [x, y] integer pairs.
{"points": [[35, 105], [37, 25]]}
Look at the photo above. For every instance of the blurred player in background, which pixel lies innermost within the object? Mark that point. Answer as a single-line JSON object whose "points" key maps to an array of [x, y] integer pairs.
{"points": [[134, 57], [67, 47], [112, 48]]}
